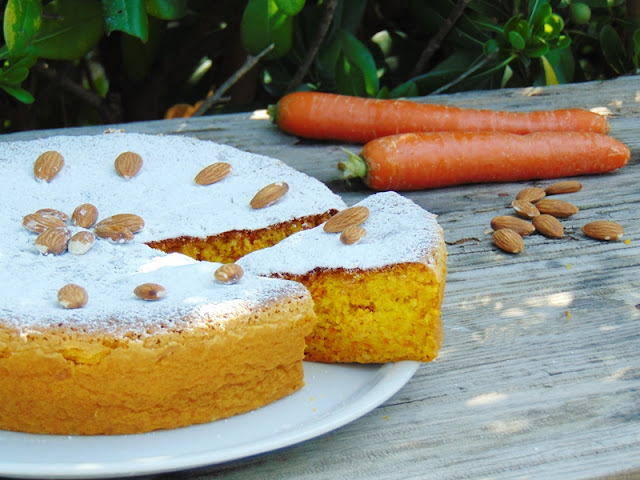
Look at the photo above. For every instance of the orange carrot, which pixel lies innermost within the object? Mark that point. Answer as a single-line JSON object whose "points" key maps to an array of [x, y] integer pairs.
{"points": [[414, 161], [354, 119]]}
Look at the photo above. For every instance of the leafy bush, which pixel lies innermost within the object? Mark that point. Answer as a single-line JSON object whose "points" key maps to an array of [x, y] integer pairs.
{"points": [[75, 62]]}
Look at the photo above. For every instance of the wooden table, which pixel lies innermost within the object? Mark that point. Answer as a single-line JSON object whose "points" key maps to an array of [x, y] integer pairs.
{"points": [[539, 375]]}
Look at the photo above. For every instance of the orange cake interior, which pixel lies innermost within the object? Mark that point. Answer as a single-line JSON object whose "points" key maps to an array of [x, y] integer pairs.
{"points": [[377, 300]]}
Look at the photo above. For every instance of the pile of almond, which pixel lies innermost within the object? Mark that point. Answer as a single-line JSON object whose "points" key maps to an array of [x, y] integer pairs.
{"points": [[537, 213]]}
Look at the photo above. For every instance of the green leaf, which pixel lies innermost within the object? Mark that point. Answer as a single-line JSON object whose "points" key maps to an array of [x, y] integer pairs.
{"points": [[405, 90], [636, 48], [490, 47], [536, 48], [290, 7], [19, 93], [263, 24], [357, 54], [69, 29], [14, 76], [506, 76], [166, 9], [348, 15], [128, 16], [22, 19], [539, 16], [613, 49], [138, 57], [516, 40], [563, 63], [549, 73]]}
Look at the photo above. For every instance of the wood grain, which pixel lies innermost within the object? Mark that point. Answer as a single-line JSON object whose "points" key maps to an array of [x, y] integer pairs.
{"points": [[539, 375]]}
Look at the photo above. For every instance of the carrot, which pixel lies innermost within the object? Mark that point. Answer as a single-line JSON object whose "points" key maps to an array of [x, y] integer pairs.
{"points": [[414, 161], [354, 119]]}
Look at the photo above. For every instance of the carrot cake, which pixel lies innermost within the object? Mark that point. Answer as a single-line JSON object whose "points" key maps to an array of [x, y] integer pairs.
{"points": [[139, 339], [376, 272]]}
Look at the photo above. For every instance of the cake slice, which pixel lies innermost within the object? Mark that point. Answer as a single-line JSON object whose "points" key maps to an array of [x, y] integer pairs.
{"points": [[377, 299]]}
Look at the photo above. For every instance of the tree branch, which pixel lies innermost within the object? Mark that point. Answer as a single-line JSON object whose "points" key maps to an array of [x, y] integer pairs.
{"points": [[436, 40], [229, 82], [321, 33]]}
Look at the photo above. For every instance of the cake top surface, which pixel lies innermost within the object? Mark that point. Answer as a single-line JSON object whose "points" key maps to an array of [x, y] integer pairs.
{"points": [[165, 195], [397, 231], [164, 192]]}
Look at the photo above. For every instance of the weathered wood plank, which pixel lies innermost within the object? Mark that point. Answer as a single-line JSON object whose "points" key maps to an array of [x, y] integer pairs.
{"points": [[539, 375]]}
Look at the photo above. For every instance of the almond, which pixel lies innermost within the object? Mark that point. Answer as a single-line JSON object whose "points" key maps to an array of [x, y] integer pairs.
{"points": [[53, 241], [85, 215], [603, 230], [72, 296], [229, 273], [525, 208], [352, 234], [269, 195], [52, 212], [114, 233], [213, 173], [132, 222], [569, 186], [351, 216], [38, 223], [518, 225], [531, 194], [48, 165], [508, 240], [128, 164], [150, 291], [81, 242], [549, 226], [557, 208]]}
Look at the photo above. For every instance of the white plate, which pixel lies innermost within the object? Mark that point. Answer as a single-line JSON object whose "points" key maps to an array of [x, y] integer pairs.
{"points": [[333, 396]]}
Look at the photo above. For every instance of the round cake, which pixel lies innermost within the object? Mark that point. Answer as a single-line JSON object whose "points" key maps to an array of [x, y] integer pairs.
{"points": [[139, 339]]}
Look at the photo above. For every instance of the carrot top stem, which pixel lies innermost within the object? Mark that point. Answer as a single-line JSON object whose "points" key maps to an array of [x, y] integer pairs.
{"points": [[352, 167]]}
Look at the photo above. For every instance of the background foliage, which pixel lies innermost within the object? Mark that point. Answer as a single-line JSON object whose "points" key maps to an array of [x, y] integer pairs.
{"points": [[78, 62]]}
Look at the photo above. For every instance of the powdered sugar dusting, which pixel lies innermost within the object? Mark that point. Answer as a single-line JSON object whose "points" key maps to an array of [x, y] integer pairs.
{"points": [[398, 231], [165, 195]]}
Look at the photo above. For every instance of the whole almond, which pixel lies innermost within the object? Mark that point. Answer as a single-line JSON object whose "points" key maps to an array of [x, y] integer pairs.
{"points": [[508, 240], [213, 173], [525, 209], [48, 165], [350, 216], [81, 242], [603, 230], [132, 222], [72, 296], [38, 223], [114, 233], [352, 234], [269, 195], [568, 186], [53, 241], [85, 215], [128, 164], [518, 225], [52, 212], [549, 226], [557, 208], [229, 273], [531, 194], [150, 291]]}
